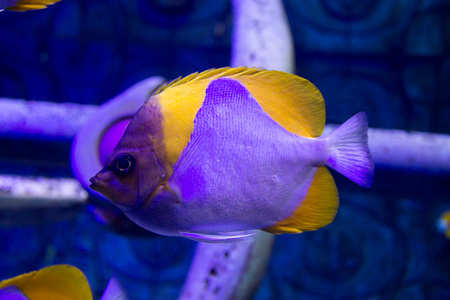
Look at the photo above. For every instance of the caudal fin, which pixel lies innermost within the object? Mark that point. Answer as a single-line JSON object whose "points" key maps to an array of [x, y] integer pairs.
{"points": [[114, 291], [349, 152]]}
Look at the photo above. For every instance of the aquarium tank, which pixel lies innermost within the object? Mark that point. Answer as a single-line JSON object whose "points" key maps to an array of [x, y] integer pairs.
{"points": [[73, 74]]}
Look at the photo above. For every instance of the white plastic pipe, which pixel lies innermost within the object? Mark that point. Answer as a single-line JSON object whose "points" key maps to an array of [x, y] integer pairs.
{"points": [[261, 36], [42, 120], [39, 192], [410, 150]]}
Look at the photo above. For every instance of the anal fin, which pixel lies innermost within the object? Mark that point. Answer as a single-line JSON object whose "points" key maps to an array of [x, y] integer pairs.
{"points": [[228, 237], [316, 210]]}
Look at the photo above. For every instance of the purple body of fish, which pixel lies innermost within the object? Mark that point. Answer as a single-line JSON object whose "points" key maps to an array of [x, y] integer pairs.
{"points": [[240, 170]]}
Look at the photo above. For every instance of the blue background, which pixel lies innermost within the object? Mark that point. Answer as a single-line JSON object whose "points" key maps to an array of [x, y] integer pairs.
{"points": [[390, 59]]}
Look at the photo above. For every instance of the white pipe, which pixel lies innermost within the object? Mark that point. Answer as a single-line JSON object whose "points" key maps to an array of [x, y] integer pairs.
{"points": [[410, 150], [39, 192], [41, 119], [228, 270], [261, 36]]}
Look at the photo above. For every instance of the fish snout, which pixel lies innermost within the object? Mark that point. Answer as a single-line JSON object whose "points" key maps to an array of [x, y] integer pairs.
{"points": [[95, 182]]}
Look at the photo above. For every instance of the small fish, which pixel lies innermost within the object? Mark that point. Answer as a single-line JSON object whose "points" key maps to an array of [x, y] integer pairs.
{"points": [[54, 282], [24, 5], [443, 224], [63, 282], [218, 155]]}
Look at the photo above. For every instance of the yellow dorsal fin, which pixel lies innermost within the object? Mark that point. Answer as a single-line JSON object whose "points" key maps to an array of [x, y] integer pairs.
{"points": [[293, 102], [316, 210], [54, 282], [24, 5]]}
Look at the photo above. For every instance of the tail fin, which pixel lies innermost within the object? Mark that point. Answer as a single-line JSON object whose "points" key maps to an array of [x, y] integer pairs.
{"points": [[114, 291], [349, 152]]}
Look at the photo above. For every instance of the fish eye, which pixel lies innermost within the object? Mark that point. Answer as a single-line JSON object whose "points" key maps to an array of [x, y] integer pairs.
{"points": [[123, 164]]}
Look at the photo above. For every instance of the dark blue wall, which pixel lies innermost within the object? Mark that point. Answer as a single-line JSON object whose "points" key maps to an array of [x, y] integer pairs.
{"points": [[388, 58]]}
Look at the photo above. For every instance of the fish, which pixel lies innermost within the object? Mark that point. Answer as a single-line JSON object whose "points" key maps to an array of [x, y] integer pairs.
{"points": [[443, 223], [61, 281], [25, 5], [218, 155], [53, 282]]}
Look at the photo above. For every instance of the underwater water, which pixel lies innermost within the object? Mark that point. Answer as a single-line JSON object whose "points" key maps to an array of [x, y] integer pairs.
{"points": [[390, 59]]}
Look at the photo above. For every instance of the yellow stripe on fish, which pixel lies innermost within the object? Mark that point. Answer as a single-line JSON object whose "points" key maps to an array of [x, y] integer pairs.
{"points": [[179, 106]]}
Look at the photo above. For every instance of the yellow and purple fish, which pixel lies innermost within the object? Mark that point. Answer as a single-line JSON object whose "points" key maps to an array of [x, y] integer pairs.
{"points": [[218, 155], [443, 223], [24, 5], [62, 282], [54, 282]]}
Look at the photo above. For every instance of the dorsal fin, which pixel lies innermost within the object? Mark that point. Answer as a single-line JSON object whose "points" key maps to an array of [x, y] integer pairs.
{"points": [[292, 101], [208, 74]]}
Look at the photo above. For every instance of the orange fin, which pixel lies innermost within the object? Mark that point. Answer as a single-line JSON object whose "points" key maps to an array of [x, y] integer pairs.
{"points": [[24, 5], [316, 210]]}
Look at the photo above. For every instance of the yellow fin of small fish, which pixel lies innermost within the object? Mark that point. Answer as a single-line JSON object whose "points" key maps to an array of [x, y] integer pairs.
{"points": [[54, 282], [24, 5], [293, 102], [317, 209]]}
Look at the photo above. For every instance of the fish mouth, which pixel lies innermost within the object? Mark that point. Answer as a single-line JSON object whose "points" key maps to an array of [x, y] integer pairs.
{"points": [[101, 187], [95, 183]]}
